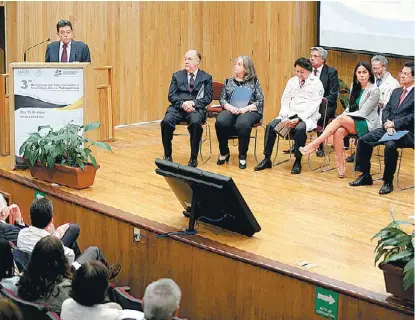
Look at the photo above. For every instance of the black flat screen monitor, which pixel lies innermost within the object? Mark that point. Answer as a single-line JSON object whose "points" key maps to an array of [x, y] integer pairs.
{"points": [[209, 197]]}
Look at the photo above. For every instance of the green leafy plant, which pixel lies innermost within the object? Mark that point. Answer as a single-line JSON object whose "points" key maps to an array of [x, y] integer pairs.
{"points": [[344, 94], [66, 146], [397, 247]]}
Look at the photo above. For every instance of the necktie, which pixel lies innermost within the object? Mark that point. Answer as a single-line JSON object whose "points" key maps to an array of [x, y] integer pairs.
{"points": [[302, 83], [378, 82], [315, 72], [403, 95], [191, 82], [64, 57]]}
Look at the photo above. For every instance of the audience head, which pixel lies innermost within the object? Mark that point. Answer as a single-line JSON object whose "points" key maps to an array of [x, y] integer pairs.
{"points": [[41, 213], [90, 283], [192, 60], [64, 31], [9, 311], [406, 76], [318, 56], [3, 208], [379, 66], [161, 300], [303, 67], [244, 68], [6, 261], [47, 267]]}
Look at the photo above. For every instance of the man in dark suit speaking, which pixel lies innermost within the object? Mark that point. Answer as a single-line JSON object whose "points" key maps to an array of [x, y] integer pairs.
{"points": [[398, 115], [67, 49], [190, 93]]}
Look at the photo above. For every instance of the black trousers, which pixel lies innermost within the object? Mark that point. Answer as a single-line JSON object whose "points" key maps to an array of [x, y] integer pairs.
{"points": [[228, 124], [173, 117], [298, 134], [70, 237], [365, 147]]}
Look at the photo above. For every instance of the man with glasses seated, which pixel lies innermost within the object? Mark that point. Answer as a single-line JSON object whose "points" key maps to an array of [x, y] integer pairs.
{"points": [[398, 115], [67, 49]]}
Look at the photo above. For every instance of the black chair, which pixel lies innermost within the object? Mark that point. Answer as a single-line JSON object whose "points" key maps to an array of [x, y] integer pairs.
{"points": [[30, 310], [21, 258], [127, 301]]}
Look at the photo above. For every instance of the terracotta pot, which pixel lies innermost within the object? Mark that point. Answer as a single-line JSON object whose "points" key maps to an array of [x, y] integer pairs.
{"points": [[394, 282], [65, 175]]}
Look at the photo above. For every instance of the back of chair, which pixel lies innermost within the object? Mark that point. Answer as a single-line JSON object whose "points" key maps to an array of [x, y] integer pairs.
{"points": [[127, 301], [21, 258], [323, 111], [217, 90], [30, 310]]}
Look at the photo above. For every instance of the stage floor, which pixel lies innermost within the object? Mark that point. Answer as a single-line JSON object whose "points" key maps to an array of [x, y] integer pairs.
{"points": [[314, 217]]}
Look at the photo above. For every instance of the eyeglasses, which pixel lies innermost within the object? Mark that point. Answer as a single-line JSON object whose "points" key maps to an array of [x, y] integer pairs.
{"points": [[405, 74], [62, 33]]}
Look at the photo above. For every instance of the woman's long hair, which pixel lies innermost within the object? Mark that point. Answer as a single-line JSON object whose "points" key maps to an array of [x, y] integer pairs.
{"points": [[47, 267], [357, 86], [6, 261]]}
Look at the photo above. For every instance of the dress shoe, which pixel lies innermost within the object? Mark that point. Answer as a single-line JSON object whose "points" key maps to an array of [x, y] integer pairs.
{"points": [[264, 164], [223, 161], [168, 158], [386, 188], [308, 149], [296, 167], [192, 162], [350, 159], [242, 165], [320, 153], [362, 180], [114, 270], [291, 150]]}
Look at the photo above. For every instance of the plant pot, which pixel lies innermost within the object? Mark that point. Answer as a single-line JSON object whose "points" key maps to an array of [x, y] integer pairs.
{"points": [[394, 282], [65, 175]]}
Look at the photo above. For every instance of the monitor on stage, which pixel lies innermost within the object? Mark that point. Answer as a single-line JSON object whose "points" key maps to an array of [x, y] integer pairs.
{"points": [[209, 197]]}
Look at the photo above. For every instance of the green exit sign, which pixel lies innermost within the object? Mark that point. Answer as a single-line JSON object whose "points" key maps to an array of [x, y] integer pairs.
{"points": [[39, 194], [327, 303]]}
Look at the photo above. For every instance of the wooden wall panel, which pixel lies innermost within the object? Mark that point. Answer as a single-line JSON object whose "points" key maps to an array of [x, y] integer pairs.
{"points": [[146, 41]]}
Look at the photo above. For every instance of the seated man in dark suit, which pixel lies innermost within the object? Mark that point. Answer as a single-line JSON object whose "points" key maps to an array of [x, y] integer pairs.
{"points": [[398, 115], [330, 80], [190, 93], [9, 232], [67, 49]]}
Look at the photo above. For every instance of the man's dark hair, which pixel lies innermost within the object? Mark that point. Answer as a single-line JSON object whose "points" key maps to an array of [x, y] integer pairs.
{"points": [[410, 64], [90, 283], [304, 63], [63, 23], [41, 212]]}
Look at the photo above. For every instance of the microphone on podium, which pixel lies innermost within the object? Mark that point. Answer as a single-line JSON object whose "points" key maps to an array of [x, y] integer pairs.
{"points": [[24, 55]]}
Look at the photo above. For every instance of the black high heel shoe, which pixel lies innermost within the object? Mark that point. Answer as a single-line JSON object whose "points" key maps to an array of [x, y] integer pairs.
{"points": [[221, 162]]}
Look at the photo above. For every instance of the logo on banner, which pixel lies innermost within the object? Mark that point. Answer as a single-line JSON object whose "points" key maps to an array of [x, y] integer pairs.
{"points": [[22, 72], [38, 73], [58, 72]]}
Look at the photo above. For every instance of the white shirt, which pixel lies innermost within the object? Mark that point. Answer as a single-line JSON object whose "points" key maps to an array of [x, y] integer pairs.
{"points": [[72, 310], [386, 87], [302, 101], [194, 76], [28, 237], [318, 71], [68, 50]]}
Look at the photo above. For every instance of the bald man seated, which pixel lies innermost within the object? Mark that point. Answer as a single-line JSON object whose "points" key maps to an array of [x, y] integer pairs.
{"points": [[190, 93]]}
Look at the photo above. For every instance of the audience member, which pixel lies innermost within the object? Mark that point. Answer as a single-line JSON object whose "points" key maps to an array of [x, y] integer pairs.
{"points": [[47, 278], [8, 279], [190, 93], [9, 311], [359, 118], [88, 296], [299, 111], [398, 115], [161, 300], [330, 80], [241, 119], [9, 231]]}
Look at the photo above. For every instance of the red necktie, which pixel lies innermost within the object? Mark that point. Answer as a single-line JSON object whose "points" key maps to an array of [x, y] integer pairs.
{"points": [[402, 97], [191, 82], [315, 72], [302, 83], [64, 57]]}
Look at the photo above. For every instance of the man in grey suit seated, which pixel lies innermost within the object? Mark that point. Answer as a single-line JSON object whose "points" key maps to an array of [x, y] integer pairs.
{"points": [[67, 49]]}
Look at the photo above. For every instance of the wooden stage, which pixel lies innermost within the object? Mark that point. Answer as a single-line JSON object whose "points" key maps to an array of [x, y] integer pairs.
{"points": [[314, 217]]}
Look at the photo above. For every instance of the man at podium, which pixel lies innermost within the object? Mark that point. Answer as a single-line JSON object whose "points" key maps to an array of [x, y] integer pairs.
{"points": [[66, 50]]}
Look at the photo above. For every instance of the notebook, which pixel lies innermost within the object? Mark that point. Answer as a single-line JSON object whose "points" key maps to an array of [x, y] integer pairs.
{"points": [[240, 97], [396, 136]]}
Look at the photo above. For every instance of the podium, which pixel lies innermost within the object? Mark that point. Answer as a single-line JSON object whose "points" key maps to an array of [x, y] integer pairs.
{"points": [[55, 94]]}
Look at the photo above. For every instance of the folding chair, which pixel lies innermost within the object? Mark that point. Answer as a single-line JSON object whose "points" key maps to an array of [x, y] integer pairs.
{"points": [[399, 170]]}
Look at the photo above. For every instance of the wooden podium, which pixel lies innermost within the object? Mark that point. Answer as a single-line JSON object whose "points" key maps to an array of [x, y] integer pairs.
{"points": [[97, 98]]}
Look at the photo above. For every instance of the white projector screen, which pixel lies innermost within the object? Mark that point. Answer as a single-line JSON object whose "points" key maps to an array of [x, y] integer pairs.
{"points": [[373, 26]]}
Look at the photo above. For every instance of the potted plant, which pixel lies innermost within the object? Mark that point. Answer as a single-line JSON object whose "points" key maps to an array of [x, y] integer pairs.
{"points": [[395, 249], [63, 156], [344, 94]]}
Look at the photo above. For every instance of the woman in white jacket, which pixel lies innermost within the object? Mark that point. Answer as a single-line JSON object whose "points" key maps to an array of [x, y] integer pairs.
{"points": [[359, 118]]}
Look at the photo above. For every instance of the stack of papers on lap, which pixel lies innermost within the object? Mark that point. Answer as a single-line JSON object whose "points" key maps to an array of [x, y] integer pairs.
{"points": [[282, 130]]}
